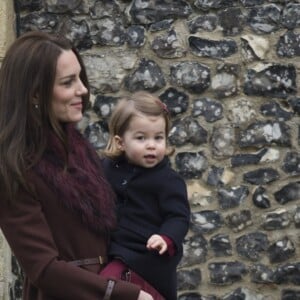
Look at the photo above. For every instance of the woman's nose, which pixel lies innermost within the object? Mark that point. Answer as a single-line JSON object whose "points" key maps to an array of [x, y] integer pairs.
{"points": [[81, 89]]}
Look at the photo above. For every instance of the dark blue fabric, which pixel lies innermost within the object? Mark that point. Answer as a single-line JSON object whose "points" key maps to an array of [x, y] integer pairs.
{"points": [[149, 201]]}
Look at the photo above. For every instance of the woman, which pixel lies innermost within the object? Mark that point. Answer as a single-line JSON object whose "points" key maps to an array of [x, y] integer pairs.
{"points": [[56, 209]]}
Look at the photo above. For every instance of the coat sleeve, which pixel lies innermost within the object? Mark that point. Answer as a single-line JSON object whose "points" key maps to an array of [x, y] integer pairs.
{"points": [[175, 208], [29, 236]]}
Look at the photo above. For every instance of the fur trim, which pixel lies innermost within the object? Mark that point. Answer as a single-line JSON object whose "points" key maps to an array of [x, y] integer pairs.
{"points": [[80, 186]]}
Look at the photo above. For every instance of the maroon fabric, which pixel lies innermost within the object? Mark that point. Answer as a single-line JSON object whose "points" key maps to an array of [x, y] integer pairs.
{"points": [[171, 248], [81, 185], [44, 237], [117, 269]]}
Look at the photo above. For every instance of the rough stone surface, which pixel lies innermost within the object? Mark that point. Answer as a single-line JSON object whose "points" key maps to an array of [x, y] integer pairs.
{"points": [[228, 72]]}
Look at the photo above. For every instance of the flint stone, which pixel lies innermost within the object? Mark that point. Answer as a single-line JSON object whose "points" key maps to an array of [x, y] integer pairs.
{"points": [[291, 15], [108, 32], [207, 22], [238, 221], [231, 20], [261, 176], [289, 294], [151, 11], [161, 25], [214, 177], [241, 111], [193, 76], [214, 49], [252, 245], [39, 21], [226, 272], [294, 102], [261, 274], [288, 45], [220, 245], [206, 221], [210, 109], [281, 250], [273, 80], [223, 141], [291, 163], [278, 219], [262, 134], [249, 3], [260, 198], [104, 9], [196, 296], [104, 105], [168, 46], [249, 158], [194, 251], [30, 5], [176, 101], [16, 289], [297, 217], [207, 4], [191, 164], [224, 85], [264, 19], [187, 130], [244, 293], [62, 6], [148, 76], [97, 134], [232, 197], [273, 109], [135, 36], [78, 33], [289, 192], [288, 273], [113, 71], [188, 279]]}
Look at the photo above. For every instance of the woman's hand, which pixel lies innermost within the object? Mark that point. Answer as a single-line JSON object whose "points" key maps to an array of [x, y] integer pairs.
{"points": [[144, 296], [156, 242]]}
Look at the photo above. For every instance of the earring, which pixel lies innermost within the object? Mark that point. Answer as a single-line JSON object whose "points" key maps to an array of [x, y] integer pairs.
{"points": [[36, 106]]}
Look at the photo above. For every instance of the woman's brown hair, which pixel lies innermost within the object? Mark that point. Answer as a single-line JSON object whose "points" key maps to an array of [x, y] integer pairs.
{"points": [[26, 85], [141, 102]]}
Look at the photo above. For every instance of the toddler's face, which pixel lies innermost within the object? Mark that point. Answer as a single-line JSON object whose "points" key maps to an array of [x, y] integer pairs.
{"points": [[145, 141]]}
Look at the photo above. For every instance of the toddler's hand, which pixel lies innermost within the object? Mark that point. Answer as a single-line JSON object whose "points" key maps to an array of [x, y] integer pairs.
{"points": [[156, 242]]}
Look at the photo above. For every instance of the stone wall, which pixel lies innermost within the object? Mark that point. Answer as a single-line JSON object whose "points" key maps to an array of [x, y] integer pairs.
{"points": [[229, 72]]}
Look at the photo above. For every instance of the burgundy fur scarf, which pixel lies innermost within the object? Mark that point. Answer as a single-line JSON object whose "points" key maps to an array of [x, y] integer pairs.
{"points": [[81, 186]]}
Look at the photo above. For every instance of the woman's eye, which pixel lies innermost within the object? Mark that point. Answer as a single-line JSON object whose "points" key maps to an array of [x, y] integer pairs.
{"points": [[68, 82]]}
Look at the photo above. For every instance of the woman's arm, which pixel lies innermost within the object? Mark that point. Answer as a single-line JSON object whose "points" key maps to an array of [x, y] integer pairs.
{"points": [[29, 236]]}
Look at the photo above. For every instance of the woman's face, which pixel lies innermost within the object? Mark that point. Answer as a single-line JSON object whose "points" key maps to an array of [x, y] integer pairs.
{"points": [[68, 89]]}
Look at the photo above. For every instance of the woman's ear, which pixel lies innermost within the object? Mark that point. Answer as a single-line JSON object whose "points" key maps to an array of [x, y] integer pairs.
{"points": [[119, 142], [35, 102]]}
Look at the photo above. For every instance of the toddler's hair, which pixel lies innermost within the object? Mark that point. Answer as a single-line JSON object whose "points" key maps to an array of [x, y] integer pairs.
{"points": [[128, 107]]}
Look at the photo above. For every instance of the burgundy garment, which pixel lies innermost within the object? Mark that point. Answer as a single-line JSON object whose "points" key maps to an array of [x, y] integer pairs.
{"points": [[45, 231], [117, 269]]}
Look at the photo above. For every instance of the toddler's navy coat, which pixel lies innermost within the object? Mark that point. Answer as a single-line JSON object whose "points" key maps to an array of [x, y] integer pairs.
{"points": [[149, 201]]}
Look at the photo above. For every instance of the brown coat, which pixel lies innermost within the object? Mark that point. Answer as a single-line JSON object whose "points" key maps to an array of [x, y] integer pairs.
{"points": [[44, 236]]}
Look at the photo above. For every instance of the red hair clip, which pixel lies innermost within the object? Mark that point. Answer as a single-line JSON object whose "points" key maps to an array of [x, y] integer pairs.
{"points": [[163, 106]]}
